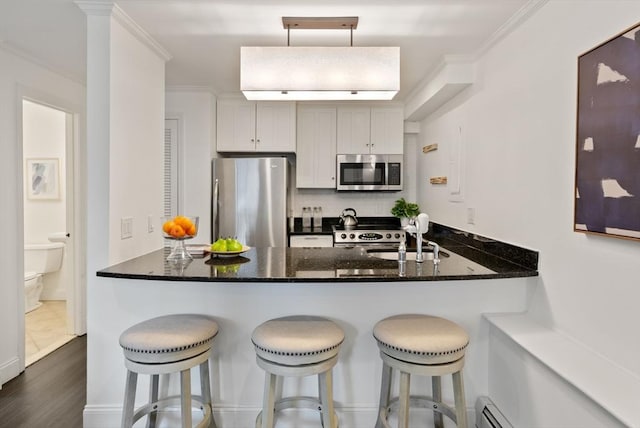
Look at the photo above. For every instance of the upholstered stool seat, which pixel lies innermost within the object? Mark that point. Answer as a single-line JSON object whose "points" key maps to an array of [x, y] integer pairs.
{"points": [[421, 345], [297, 346], [163, 345]]}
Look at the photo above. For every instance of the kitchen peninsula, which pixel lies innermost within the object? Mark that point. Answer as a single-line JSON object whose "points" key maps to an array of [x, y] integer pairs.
{"points": [[352, 287], [462, 257]]}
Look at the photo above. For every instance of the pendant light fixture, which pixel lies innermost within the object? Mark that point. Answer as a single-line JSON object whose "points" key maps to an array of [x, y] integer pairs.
{"points": [[319, 73]]}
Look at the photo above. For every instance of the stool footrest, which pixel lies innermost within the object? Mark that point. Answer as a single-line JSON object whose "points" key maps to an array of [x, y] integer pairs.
{"points": [[172, 401], [298, 402], [417, 401]]}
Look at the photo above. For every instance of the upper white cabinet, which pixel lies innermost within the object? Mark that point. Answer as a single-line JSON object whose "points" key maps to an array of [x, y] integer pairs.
{"points": [[316, 152], [250, 126], [363, 130]]}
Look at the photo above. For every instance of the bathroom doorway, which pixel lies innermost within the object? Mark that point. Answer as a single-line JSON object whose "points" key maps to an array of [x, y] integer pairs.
{"points": [[48, 211]]}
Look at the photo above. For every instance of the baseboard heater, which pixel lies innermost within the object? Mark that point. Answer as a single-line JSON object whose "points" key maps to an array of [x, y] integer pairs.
{"points": [[488, 415]]}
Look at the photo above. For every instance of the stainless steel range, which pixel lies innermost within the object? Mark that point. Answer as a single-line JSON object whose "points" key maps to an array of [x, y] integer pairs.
{"points": [[372, 235]]}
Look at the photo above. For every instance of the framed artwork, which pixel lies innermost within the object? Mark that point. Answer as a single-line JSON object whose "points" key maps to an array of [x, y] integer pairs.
{"points": [[607, 177], [43, 178]]}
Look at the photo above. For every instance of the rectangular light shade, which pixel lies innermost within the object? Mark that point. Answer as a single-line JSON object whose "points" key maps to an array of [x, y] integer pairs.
{"points": [[319, 73]]}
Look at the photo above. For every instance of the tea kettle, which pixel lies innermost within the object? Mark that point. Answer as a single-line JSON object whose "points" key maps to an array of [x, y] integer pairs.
{"points": [[349, 221]]}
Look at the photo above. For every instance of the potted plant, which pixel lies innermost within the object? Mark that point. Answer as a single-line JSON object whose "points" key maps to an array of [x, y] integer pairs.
{"points": [[405, 211]]}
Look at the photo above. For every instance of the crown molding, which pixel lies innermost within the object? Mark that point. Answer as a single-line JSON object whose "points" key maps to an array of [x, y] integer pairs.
{"points": [[438, 74], [109, 8], [524, 13]]}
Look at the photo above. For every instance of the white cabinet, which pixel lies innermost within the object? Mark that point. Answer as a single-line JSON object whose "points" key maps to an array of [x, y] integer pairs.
{"points": [[311, 241], [316, 147], [354, 130], [364, 130], [250, 126]]}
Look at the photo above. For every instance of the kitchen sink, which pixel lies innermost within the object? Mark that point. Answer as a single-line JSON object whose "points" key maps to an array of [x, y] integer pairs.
{"points": [[427, 254]]}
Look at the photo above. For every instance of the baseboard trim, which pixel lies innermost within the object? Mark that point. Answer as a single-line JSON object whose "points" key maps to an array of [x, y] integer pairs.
{"points": [[97, 416], [9, 370]]}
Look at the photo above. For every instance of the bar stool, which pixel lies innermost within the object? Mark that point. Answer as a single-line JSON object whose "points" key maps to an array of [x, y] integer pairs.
{"points": [[169, 344], [427, 346], [297, 346]]}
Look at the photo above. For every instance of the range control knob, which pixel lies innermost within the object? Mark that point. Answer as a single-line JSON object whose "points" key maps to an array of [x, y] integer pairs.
{"points": [[388, 236], [397, 236], [352, 235], [343, 235]]}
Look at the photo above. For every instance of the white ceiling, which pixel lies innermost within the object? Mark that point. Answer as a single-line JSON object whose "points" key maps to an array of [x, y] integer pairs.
{"points": [[204, 36]]}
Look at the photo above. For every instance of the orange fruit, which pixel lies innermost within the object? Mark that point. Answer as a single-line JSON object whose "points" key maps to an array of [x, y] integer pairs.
{"points": [[177, 231], [166, 227], [191, 230], [182, 221]]}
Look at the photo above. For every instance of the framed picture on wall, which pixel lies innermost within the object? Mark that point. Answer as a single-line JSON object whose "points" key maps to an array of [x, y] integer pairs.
{"points": [[43, 178], [607, 177]]}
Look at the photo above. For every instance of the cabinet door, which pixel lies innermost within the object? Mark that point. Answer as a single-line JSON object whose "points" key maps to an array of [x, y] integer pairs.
{"points": [[276, 127], [387, 130], [235, 129], [311, 241], [316, 148], [354, 130]]}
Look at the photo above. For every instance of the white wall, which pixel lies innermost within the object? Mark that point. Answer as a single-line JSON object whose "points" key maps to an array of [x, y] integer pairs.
{"points": [[44, 136], [18, 75], [195, 112], [518, 129], [136, 144]]}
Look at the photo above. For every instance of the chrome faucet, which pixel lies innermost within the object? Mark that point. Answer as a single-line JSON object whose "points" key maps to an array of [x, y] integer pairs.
{"points": [[436, 252], [420, 226]]}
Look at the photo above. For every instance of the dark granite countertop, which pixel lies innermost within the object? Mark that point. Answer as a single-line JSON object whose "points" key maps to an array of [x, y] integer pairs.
{"points": [[296, 265]]}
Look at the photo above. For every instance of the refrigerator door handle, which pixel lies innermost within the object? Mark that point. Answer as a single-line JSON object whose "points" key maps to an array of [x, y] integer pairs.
{"points": [[214, 209]]}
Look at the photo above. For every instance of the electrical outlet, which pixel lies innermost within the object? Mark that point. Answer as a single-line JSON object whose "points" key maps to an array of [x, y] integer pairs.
{"points": [[126, 227], [150, 223], [471, 216]]}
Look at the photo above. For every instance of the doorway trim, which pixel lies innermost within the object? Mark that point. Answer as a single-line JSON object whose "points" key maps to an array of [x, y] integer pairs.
{"points": [[76, 207]]}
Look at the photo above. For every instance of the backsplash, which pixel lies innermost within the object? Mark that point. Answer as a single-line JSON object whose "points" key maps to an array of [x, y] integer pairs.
{"points": [[369, 204]]}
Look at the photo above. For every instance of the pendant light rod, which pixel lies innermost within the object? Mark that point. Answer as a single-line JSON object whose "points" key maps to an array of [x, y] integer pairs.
{"points": [[320, 23]]}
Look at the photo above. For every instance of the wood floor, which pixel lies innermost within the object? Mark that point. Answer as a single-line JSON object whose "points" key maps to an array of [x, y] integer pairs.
{"points": [[50, 393]]}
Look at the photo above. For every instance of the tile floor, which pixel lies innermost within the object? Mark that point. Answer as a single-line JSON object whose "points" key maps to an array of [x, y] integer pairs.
{"points": [[45, 330]]}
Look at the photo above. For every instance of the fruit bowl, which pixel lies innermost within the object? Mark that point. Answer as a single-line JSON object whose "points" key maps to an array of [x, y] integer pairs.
{"points": [[228, 247], [230, 253], [179, 229]]}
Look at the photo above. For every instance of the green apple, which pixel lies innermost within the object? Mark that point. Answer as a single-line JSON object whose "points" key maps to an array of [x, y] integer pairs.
{"points": [[234, 245], [219, 245]]}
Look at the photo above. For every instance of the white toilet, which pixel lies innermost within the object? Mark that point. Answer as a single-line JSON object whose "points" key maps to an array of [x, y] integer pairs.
{"points": [[39, 259]]}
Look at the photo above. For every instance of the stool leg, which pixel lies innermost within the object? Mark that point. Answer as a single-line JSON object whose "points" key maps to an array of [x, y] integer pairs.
{"points": [[153, 397], [385, 391], [325, 382], [185, 392], [205, 388], [269, 400], [129, 399], [403, 408], [461, 406], [436, 388]]}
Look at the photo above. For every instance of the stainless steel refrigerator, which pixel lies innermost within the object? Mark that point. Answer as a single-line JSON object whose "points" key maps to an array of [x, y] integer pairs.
{"points": [[249, 200]]}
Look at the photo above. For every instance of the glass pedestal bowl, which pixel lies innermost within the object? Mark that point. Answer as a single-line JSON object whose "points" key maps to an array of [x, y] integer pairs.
{"points": [[179, 229]]}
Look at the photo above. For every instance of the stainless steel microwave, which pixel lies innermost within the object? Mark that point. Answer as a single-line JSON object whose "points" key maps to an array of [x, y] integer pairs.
{"points": [[369, 172]]}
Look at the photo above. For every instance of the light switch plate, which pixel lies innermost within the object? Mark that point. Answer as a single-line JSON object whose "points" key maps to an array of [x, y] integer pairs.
{"points": [[126, 227], [150, 223], [471, 215]]}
